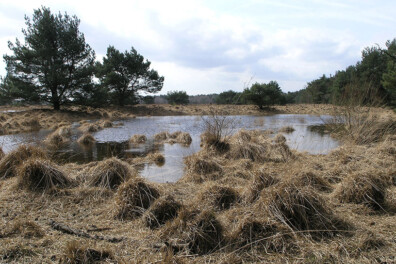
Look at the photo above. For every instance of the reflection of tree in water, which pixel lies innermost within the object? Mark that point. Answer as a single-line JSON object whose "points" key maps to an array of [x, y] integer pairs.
{"points": [[103, 150]]}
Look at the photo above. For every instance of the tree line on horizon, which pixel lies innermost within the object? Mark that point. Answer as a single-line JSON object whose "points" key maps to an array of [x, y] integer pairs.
{"points": [[55, 65]]}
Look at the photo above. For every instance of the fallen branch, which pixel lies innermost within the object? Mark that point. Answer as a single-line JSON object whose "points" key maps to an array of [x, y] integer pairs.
{"points": [[68, 230]]}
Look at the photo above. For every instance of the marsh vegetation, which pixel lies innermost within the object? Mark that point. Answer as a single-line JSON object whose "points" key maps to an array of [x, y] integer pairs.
{"points": [[244, 195]]}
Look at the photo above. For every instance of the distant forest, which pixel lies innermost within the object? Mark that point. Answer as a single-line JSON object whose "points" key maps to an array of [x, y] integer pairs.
{"points": [[370, 80]]}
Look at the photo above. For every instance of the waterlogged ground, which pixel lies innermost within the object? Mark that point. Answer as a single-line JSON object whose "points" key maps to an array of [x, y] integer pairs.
{"points": [[114, 141]]}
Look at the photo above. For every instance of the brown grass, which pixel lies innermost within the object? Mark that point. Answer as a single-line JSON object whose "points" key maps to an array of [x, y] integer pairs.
{"points": [[25, 229], [10, 162], [161, 211], [199, 168], [89, 128], [109, 173], [262, 179], [309, 178], [162, 136], [138, 139], [107, 124], [301, 208], [184, 138], [77, 253], [287, 129], [86, 139], [41, 175], [265, 233], [56, 140], [202, 232], [157, 158], [368, 188], [279, 138], [218, 197], [134, 197]]}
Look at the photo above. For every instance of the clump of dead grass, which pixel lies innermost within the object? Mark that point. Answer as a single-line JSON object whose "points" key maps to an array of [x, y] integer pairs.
{"points": [[107, 124], [64, 131], [309, 178], [199, 168], [265, 233], [302, 209], [202, 232], [279, 138], [262, 179], [287, 129], [157, 158], [76, 253], [368, 188], [86, 139], [10, 162], [138, 139], [41, 175], [56, 140], [184, 138], [134, 197], [26, 229], [218, 197], [161, 211], [162, 136], [109, 173], [89, 128]]}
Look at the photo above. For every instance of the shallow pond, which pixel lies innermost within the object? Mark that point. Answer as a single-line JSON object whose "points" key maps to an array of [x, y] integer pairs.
{"points": [[114, 141]]}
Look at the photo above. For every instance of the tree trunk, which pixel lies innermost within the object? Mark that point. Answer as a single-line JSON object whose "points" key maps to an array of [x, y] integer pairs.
{"points": [[55, 98], [121, 100]]}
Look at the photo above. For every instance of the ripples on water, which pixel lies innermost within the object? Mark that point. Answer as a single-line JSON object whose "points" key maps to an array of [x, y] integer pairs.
{"points": [[114, 141]]}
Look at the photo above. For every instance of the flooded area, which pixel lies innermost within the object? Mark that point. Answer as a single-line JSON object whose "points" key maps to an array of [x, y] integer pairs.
{"points": [[115, 141]]}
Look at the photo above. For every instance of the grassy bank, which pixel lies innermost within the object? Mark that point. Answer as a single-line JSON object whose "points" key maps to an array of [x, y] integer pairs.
{"points": [[244, 198]]}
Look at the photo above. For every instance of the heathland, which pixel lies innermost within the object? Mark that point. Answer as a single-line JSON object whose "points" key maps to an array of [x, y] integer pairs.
{"points": [[244, 197]]}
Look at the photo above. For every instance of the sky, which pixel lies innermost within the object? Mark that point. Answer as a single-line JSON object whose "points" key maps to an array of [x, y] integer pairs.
{"points": [[210, 46]]}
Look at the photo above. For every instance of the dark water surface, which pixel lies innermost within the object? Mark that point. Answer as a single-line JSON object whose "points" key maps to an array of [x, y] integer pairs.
{"points": [[114, 141]]}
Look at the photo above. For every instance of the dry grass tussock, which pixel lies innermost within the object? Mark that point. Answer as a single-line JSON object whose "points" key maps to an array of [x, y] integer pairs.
{"points": [[161, 211], [301, 209], [157, 158], [368, 188], [76, 253], [261, 180], [10, 162], [200, 168], [138, 139], [265, 233], [217, 197], [109, 173], [173, 138], [134, 197], [259, 148], [201, 232], [86, 139], [287, 129], [41, 175], [56, 140]]}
